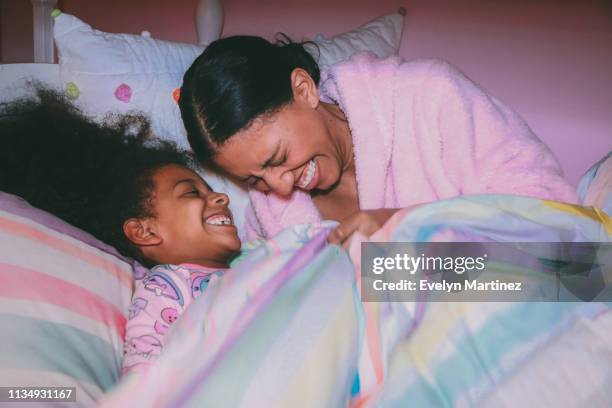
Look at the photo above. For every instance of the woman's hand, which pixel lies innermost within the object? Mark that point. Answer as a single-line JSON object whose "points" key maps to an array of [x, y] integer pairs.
{"points": [[366, 222]]}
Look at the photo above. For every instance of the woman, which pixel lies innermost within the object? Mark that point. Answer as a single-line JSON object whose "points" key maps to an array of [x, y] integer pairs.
{"points": [[373, 137]]}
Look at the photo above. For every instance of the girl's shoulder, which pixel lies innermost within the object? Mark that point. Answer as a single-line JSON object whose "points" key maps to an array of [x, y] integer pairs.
{"points": [[184, 269]]}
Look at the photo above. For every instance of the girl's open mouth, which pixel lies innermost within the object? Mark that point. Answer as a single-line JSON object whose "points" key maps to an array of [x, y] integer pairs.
{"points": [[219, 219]]}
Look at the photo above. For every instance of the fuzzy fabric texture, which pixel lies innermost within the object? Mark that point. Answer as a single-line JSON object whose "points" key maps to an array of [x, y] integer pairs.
{"points": [[422, 131]]}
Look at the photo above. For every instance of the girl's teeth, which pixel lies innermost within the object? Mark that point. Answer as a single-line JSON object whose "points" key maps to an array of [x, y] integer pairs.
{"points": [[218, 220]]}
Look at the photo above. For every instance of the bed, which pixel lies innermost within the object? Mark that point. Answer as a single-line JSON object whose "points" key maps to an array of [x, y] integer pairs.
{"points": [[288, 327]]}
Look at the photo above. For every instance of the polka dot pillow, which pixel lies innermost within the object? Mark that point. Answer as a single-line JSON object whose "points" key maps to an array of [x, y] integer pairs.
{"points": [[106, 72]]}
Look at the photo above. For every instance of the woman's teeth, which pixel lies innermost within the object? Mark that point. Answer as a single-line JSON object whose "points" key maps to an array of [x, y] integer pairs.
{"points": [[218, 220], [307, 175]]}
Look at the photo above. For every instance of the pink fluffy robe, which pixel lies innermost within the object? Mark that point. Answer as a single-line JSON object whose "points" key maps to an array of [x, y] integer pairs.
{"points": [[421, 132]]}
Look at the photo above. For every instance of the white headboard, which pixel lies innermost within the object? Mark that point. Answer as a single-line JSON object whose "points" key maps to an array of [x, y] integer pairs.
{"points": [[208, 23]]}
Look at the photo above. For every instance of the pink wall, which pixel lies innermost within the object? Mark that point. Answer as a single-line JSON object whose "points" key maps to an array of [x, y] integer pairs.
{"points": [[16, 31], [0, 32], [299, 18], [550, 60], [168, 20]]}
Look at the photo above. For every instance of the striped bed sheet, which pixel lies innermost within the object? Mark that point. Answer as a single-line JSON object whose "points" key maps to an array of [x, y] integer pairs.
{"points": [[63, 306]]}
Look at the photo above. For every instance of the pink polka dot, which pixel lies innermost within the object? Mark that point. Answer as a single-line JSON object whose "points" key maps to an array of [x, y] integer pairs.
{"points": [[176, 94], [123, 93]]}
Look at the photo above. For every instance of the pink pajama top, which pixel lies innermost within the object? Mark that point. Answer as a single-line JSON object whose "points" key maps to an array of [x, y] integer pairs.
{"points": [[159, 299]]}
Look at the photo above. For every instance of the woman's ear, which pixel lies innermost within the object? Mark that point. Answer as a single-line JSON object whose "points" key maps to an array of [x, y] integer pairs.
{"points": [[304, 88], [141, 232]]}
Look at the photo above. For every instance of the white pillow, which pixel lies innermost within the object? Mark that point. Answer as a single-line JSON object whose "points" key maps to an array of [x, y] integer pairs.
{"points": [[105, 73], [120, 72], [382, 36]]}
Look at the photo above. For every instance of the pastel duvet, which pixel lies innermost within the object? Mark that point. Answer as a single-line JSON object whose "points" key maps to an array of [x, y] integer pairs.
{"points": [[286, 327]]}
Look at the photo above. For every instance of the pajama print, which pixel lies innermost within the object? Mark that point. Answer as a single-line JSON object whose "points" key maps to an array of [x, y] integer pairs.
{"points": [[159, 299]]}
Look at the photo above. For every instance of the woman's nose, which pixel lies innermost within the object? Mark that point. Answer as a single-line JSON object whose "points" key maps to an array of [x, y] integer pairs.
{"points": [[218, 199], [280, 183]]}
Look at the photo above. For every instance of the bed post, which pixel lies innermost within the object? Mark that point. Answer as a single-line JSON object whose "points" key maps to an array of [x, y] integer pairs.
{"points": [[209, 20], [43, 30]]}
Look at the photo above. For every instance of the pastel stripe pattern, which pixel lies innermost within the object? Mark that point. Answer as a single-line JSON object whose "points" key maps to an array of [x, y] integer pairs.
{"points": [[63, 306], [462, 354], [595, 187], [286, 327]]}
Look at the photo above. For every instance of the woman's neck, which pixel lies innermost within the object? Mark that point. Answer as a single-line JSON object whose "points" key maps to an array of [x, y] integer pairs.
{"points": [[341, 135]]}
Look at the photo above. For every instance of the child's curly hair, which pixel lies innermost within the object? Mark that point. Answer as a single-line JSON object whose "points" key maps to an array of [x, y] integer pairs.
{"points": [[94, 176]]}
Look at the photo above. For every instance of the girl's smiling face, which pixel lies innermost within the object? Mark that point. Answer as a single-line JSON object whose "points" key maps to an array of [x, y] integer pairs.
{"points": [[291, 148], [191, 223]]}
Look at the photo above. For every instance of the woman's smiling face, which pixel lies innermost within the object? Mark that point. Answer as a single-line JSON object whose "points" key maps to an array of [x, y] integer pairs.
{"points": [[291, 148]]}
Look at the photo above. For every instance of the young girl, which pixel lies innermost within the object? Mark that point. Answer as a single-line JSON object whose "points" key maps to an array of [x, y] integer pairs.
{"points": [[191, 235], [128, 189]]}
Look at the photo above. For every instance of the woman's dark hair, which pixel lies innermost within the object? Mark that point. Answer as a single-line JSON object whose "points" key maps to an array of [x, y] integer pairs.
{"points": [[94, 176], [235, 80]]}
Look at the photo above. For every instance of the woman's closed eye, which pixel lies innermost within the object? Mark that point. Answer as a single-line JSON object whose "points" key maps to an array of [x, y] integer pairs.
{"points": [[276, 162], [252, 180], [257, 183], [282, 160]]}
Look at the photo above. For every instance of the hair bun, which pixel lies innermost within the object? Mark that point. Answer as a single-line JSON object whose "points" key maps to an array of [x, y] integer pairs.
{"points": [[298, 57]]}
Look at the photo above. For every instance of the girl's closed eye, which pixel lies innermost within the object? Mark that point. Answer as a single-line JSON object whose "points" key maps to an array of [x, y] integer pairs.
{"points": [[192, 193]]}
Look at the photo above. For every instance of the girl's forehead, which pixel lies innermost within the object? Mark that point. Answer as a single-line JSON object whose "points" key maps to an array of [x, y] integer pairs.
{"points": [[171, 170], [169, 175]]}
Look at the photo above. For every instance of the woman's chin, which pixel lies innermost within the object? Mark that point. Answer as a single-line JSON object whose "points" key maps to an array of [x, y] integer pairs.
{"points": [[325, 185]]}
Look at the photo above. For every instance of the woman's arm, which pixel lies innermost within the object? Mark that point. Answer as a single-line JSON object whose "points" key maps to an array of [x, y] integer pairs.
{"points": [[366, 222]]}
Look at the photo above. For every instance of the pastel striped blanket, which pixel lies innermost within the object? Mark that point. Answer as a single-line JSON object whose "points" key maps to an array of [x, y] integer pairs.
{"points": [[286, 327]]}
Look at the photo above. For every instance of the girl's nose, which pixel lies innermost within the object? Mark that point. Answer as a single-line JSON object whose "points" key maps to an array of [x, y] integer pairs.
{"points": [[218, 199]]}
